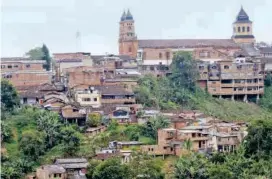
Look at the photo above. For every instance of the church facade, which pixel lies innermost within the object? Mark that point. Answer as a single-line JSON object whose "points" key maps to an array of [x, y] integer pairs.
{"points": [[154, 51]]}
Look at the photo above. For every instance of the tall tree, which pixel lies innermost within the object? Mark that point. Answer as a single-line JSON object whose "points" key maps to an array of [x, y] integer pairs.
{"points": [[258, 142], [46, 57], [50, 124], [70, 140], [94, 119], [40, 53], [32, 144], [9, 96], [35, 53], [184, 71], [150, 129]]}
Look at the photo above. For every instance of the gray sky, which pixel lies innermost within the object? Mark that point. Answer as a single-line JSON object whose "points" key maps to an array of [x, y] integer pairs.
{"points": [[29, 23]]}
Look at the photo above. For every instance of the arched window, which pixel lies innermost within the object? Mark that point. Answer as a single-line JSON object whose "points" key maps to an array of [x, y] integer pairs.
{"points": [[248, 29], [160, 55], [239, 29], [244, 29], [167, 55]]}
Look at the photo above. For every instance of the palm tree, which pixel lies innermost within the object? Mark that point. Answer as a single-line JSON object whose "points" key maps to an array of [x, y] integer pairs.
{"points": [[188, 144]]}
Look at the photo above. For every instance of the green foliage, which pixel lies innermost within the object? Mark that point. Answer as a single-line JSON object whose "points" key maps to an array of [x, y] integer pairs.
{"points": [[32, 144], [151, 127], [49, 122], [6, 133], [184, 71], [258, 142], [266, 101], [143, 166], [46, 57], [188, 144], [113, 125], [94, 119], [111, 168], [191, 166], [91, 168], [40, 53], [133, 132], [35, 53], [268, 80], [9, 96], [70, 140]]}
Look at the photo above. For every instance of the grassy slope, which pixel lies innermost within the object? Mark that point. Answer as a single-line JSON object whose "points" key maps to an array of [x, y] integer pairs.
{"points": [[233, 110]]}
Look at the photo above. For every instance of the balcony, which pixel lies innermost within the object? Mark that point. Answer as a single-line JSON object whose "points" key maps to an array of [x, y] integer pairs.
{"points": [[117, 101]]}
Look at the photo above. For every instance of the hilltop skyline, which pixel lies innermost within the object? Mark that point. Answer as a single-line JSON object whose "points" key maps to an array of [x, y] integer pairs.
{"points": [[28, 24]]}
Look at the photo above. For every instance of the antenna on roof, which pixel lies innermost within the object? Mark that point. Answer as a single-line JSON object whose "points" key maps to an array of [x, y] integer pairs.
{"points": [[78, 41]]}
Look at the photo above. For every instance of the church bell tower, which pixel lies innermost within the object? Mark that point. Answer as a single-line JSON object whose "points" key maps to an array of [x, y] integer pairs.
{"points": [[242, 29], [128, 44]]}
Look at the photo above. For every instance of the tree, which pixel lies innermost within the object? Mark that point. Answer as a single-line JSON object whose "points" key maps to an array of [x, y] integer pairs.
{"points": [[94, 119], [151, 127], [219, 171], [258, 142], [266, 101], [133, 132], [46, 57], [35, 53], [70, 140], [50, 124], [191, 166], [113, 169], [40, 53], [6, 133], [9, 96], [184, 71], [32, 144], [91, 168], [268, 80], [188, 144], [145, 166]]}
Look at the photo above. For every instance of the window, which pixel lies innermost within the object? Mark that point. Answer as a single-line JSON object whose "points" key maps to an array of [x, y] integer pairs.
{"points": [[86, 99], [95, 99], [8, 76], [248, 29], [152, 68], [129, 49], [9, 66], [75, 110], [239, 29], [201, 67], [3, 66], [27, 65], [160, 55], [243, 28], [55, 175], [15, 66], [167, 55], [226, 67]]}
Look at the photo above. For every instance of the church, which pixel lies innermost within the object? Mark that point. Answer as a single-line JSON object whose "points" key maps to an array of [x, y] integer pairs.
{"points": [[154, 51]]}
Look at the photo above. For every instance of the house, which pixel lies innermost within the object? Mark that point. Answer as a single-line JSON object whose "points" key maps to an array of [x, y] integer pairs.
{"points": [[87, 96], [75, 167], [73, 114], [93, 131], [51, 171], [54, 101], [116, 94], [34, 94], [86, 75], [236, 79], [24, 71], [106, 153], [121, 115]]}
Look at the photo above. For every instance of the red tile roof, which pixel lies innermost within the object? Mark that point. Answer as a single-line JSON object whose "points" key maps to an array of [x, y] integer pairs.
{"points": [[187, 43]]}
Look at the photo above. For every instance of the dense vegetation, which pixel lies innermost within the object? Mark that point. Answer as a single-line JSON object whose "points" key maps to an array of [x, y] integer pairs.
{"points": [[179, 90], [31, 137]]}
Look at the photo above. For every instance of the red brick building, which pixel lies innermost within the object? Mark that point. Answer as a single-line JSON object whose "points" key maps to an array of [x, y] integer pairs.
{"points": [[24, 71]]}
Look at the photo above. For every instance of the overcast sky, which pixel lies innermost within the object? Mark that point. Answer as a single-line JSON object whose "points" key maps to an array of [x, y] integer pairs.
{"points": [[29, 23]]}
